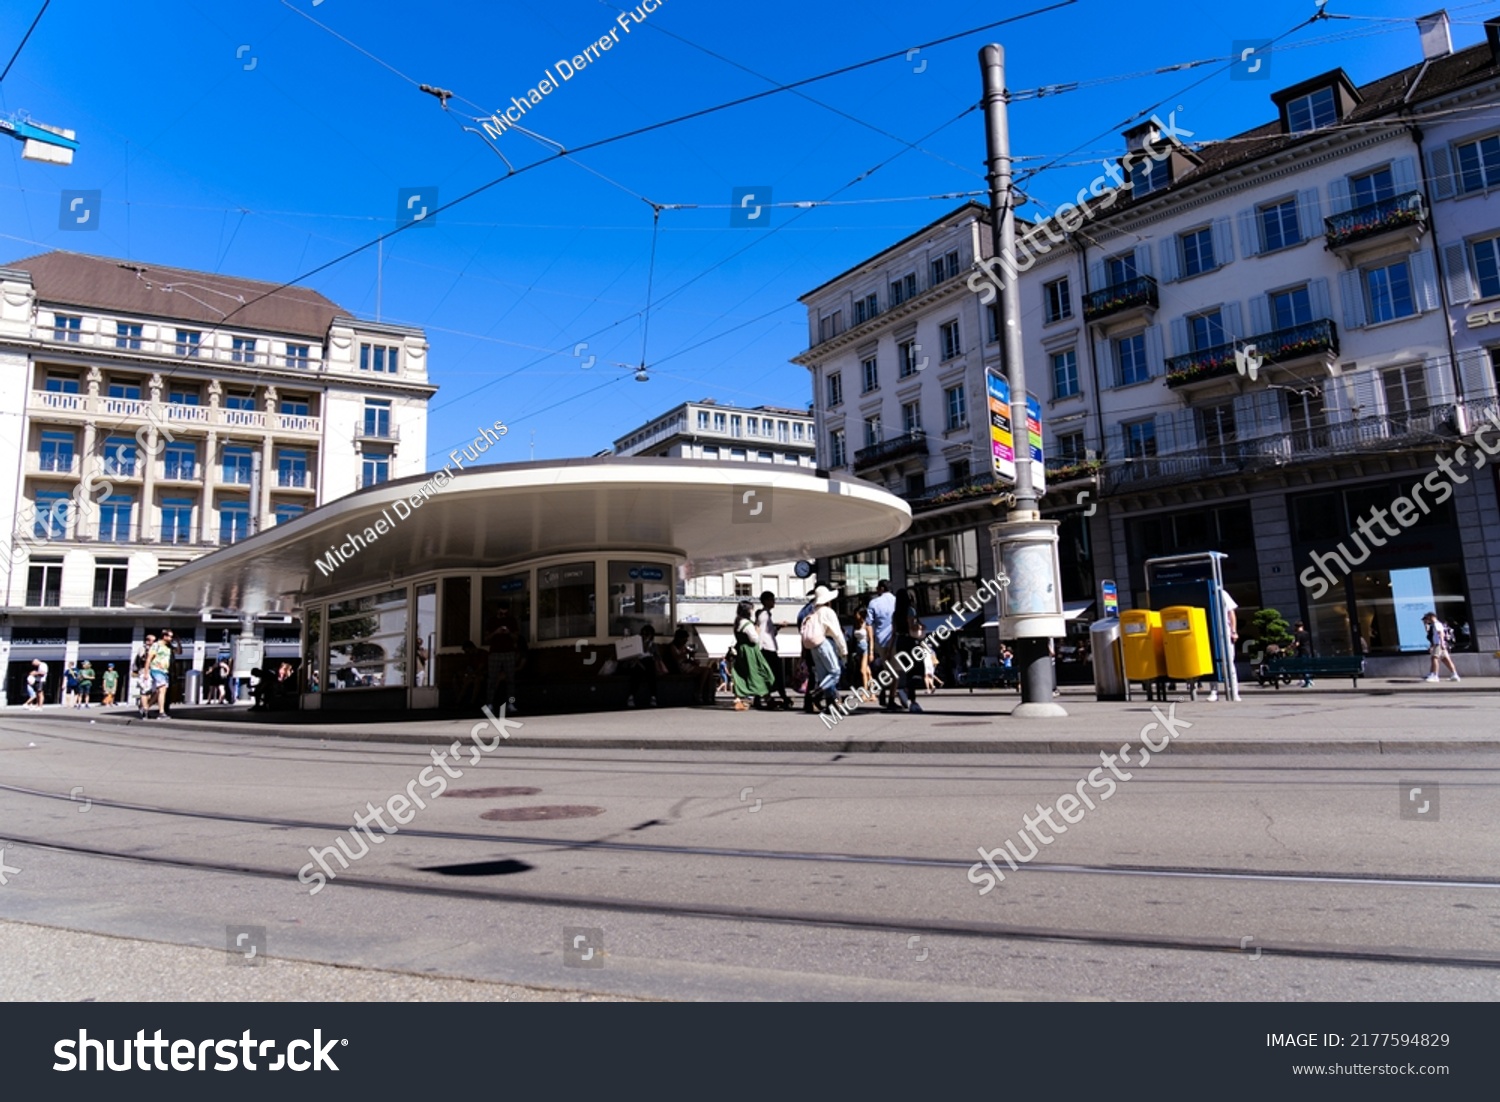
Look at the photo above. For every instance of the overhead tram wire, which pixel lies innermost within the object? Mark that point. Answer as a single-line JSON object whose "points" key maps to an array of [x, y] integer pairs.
{"points": [[24, 39]]}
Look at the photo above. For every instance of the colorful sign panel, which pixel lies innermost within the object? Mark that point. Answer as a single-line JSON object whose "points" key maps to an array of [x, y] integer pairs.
{"points": [[1111, 600], [1002, 439], [1034, 439]]}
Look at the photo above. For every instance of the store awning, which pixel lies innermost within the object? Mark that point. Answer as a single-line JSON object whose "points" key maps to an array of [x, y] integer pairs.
{"points": [[1072, 610], [717, 641], [962, 619]]}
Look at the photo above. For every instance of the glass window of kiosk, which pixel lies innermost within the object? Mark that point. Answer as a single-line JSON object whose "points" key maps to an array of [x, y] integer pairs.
{"points": [[426, 635], [640, 593], [314, 650], [367, 641], [565, 600], [456, 595], [506, 596]]}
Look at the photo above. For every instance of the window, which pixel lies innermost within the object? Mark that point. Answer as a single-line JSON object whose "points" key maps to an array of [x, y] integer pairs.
{"points": [[953, 345], [120, 457], [114, 519], [1148, 175], [957, 406], [375, 468], [720, 423], [743, 587], [234, 521], [1119, 269], [711, 452], [1479, 164], [1290, 309], [783, 431], [378, 418], [992, 312], [1304, 413], [298, 355], [1140, 439], [831, 326], [130, 392], [871, 376], [180, 460], [188, 341], [1206, 330], [903, 288], [1278, 225], [944, 268], [765, 456], [797, 430], [959, 470], [872, 430], [911, 417], [378, 357], [1389, 293], [866, 308], [128, 335], [293, 407], [906, 359], [736, 425], [916, 484], [1070, 449], [1065, 373], [242, 350], [287, 512], [44, 583], [1197, 251], [1371, 187], [1486, 257], [56, 452], [703, 420], [1311, 111], [241, 400], [1130, 360], [836, 388], [53, 511], [1405, 390], [237, 464], [291, 468], [1217, 425], [737, 453], [182, 397], [66, 327], [1057, 302], [177, 520], [837, 448]]}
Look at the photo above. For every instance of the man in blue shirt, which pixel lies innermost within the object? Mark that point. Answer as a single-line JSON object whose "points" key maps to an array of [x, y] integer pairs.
{"points": [[881, 613]]}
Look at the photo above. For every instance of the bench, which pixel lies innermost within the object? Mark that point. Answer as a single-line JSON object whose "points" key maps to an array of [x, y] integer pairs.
{"points": [[1348, 665], [990, 677]]}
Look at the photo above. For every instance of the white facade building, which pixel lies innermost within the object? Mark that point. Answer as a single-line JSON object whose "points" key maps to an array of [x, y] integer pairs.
{"points": [[157, 414]]}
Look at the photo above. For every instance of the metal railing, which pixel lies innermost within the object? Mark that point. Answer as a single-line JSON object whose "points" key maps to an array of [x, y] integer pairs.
{"points": [[887, 451], [1117, 297], [1375, 218], [376, 430], [139, 410], [1281, 345]]}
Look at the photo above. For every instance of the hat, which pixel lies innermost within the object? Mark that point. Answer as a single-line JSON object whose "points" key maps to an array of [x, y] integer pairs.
{"points": [[822, 595]]}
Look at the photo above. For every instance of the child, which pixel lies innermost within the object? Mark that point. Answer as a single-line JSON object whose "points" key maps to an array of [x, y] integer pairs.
{"points": [[110, 682], [85, 685]]}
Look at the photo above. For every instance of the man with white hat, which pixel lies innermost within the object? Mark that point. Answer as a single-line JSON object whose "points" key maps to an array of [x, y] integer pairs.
{"points": [[823, 636]]}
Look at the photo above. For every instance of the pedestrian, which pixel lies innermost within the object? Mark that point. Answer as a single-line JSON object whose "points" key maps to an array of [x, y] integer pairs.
{"points": [[505, 643], [70, 687], [86, 676], [862, 644], [224, 682], [823, 637], [140, 672], [681, 660], [36, 685], [882, 614], [750, 675], [1302, 642], [109, 682], [907, 633], [1231, 682], [472, 674], [159, 665], [644, 669], [765, 623], [723, 668], [931, 681], [1438, 643]]}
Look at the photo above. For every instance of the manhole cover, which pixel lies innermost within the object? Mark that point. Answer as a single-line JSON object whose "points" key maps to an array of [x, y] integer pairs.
{"points": [[490, 793], [546, 811]]}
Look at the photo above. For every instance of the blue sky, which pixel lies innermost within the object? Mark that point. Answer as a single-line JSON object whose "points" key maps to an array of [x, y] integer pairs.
{"points": [[244, 138]]}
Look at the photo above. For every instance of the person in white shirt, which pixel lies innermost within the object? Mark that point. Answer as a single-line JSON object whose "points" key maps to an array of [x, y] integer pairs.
{"points": [[830, 650], [765, 624], [1231, 632]]}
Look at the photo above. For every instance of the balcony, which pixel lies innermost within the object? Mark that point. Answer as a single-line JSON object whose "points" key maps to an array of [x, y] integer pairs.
{"points": [[982, 484], [59, 464], [1134, 296], [234, 476], [888, 451], [1374, 224], [80, 408], [376, 430], [1318, 338], [1417, 429], [180, 472], [293, 480]]}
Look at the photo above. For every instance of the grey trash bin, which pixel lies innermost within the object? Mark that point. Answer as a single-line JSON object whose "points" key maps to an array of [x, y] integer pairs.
{"points": [[192, 687], [1109, 661]]}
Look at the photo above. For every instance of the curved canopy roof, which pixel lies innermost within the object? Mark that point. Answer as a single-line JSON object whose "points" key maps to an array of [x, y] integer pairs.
{"points": [[493, 516]]}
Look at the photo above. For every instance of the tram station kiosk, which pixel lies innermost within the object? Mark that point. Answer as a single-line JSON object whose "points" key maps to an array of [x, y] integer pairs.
{"points": [[1188, 592]]}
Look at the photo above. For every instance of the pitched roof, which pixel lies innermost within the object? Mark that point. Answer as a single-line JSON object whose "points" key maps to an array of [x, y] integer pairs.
{"points": [[128, 287]]}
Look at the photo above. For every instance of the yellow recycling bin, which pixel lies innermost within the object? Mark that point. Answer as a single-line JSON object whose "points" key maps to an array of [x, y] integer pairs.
{"points": [[1141, 640], [1189, 649]]}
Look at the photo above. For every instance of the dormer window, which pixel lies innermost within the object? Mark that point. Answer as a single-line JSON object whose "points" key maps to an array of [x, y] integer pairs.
{"points": [[1148, 176], [1311, 112]]}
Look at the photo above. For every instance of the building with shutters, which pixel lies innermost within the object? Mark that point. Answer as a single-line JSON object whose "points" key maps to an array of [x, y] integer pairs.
{"points": [[157, 414], [1262, 342]]}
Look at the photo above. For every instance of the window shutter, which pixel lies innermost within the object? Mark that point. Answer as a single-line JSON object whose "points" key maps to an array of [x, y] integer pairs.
{"points": [[1169, 270], [1336, 400], [1477, 374], [1339, 200], [1234, 330], [1186, 421], [1223, 242], [1122, 441], [1438, 377], [1309, 214], [1143, 260], [1365, 394], [1166, 433], [1317, 294], [1181, 344], [1249, 232], [1260, 315], [1424, 282], [1244, 416], [1404, 174], [1096, 276], [1456, 265], [1268, 413], [1352, 291], [1440, 165], [1155, 358], [1105, 361]]}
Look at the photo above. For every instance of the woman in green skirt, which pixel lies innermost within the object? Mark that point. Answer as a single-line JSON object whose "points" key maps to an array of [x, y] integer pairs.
{"points": [[751, 674]]}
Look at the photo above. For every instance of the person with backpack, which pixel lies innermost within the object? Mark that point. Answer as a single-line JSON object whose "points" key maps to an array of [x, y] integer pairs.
{"points": [[1439, 640], [823, 636], [140, 676]]}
